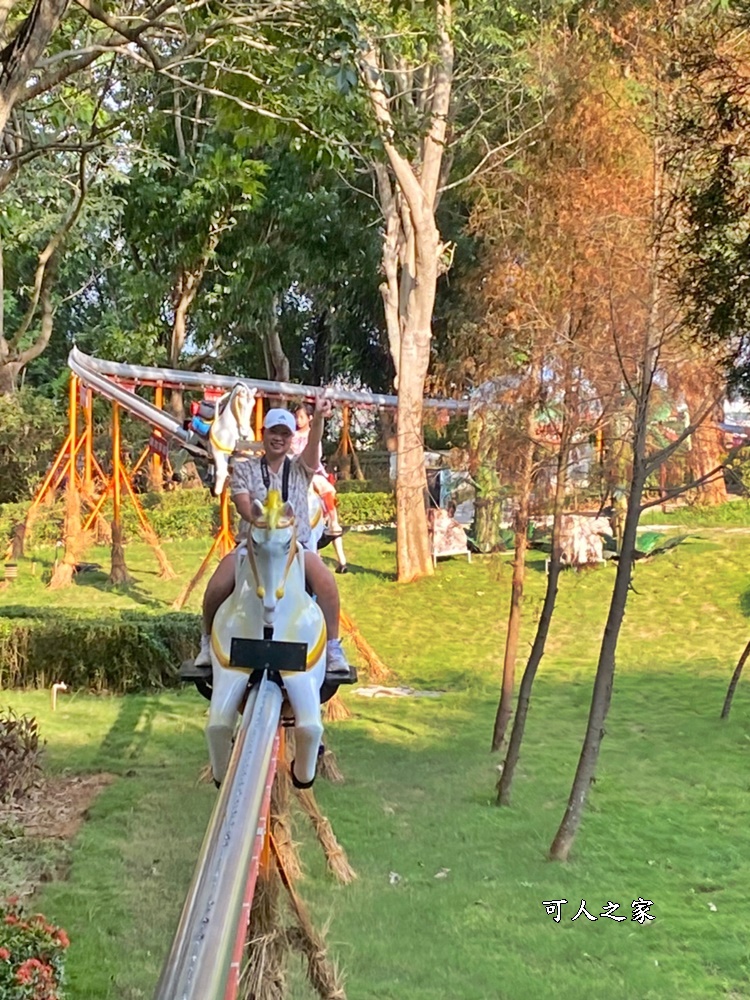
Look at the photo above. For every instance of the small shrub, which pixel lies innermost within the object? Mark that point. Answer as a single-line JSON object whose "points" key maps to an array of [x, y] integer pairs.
{"points": [[31, 956], [20, 754]]}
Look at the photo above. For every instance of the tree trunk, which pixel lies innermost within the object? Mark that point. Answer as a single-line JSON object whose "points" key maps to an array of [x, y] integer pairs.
{"points": [[278, 362], [605, 670], [505, 707], [22, 54], [505, 784], [734, 682], [321, 361], [412, 546], [9, 377]]}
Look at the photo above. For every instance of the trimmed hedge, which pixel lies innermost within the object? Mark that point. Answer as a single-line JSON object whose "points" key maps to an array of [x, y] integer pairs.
{"points": [[183, 514], [363, 486], [367, 508], [116, 652]]}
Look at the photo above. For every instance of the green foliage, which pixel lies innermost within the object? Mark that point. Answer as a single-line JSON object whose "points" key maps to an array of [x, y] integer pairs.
{"points": [[186, 514], [179, 514], [20, 753], [30, 429], [367, 508], [31, 955], [115, 651], [363, 486]]}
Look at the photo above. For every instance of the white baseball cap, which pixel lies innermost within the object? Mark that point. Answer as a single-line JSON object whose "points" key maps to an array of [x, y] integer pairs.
{"points": [[279, 418]]}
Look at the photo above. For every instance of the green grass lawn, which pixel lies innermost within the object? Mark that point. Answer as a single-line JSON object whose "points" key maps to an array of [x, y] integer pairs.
{"points": [[667, 819]]}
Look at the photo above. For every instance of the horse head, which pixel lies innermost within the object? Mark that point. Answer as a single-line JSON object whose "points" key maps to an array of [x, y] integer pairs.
{"points": [[271, 550], [240, 404], [232, 423]]}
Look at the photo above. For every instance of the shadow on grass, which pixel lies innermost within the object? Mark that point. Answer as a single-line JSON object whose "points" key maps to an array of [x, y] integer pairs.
{"points": [[131, 731], [379, 574], [744, 602], [131, 590]]}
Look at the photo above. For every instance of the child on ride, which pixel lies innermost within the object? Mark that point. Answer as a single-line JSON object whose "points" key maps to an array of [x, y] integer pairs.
{"points": [[251, 480]]}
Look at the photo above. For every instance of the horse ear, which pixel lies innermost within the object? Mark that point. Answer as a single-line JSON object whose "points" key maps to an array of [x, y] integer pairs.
{"points": [[257, 512], [287, 511]]}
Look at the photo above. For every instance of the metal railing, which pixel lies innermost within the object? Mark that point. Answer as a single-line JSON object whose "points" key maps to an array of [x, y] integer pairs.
{"points": [[203, 962]]}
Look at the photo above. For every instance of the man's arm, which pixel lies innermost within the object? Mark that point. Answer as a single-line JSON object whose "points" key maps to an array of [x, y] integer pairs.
{"points": [[244, 504], [242, 496], [310, 455]]}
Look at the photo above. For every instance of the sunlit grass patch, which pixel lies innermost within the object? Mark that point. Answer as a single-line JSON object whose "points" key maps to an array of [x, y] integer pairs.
{"points": [[667, 819]]}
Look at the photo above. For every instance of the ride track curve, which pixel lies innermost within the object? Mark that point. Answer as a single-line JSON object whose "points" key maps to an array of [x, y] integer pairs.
{"points": [[204, 961], [114, 381]]}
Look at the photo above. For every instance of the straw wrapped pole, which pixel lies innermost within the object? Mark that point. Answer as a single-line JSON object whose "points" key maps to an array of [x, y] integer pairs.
{"points": [[281, 799], [336, 859], [336, 709], [323, 975], [328, 768], [74, 538], [376, 669]]}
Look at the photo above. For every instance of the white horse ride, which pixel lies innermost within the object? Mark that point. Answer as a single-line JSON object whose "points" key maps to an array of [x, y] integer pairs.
{"points": [[232, 424], [269, 593]]}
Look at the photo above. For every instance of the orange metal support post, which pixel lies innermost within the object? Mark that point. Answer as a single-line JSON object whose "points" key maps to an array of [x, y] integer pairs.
{"points": [[116, 463], [88, 453], [157, 474], [223, 544], [73, 417], [258, 418]]}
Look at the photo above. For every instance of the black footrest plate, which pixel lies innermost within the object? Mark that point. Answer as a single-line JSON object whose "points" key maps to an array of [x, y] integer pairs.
{"points": [[268, 654], [189, 672], [338, 679]]}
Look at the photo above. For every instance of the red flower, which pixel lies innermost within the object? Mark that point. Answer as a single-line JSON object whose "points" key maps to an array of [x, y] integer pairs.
{"points": [[25, 972], [11, 919], [62, 938], [4, 955]]}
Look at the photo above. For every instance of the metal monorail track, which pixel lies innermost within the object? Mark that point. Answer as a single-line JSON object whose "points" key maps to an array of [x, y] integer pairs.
{"points": [[205, 957]]}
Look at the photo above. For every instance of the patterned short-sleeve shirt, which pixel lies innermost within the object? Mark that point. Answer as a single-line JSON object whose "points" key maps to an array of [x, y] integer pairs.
{"points": [[248, 478]]}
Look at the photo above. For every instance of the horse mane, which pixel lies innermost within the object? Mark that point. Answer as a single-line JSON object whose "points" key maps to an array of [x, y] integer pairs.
{"points": [[272, 508]]}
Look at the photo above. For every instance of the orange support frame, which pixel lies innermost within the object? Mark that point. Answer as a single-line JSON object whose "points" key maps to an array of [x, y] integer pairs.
{"points": [[157, 465], [222, 545]]}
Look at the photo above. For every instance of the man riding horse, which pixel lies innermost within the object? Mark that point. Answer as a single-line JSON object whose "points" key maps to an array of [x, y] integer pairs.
{"points": [[252, 479]]}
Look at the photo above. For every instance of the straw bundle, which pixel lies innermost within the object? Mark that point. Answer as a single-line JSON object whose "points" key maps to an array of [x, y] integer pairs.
{"points": [[336, 710], [336, 858], [377, 670]]}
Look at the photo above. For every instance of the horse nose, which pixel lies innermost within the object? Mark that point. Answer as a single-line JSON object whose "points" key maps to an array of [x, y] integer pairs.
{"points": [[269, 605]]}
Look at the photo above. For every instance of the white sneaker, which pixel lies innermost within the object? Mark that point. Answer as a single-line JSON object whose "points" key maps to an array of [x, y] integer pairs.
{"points": [[203, 659], [337, 664]]}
